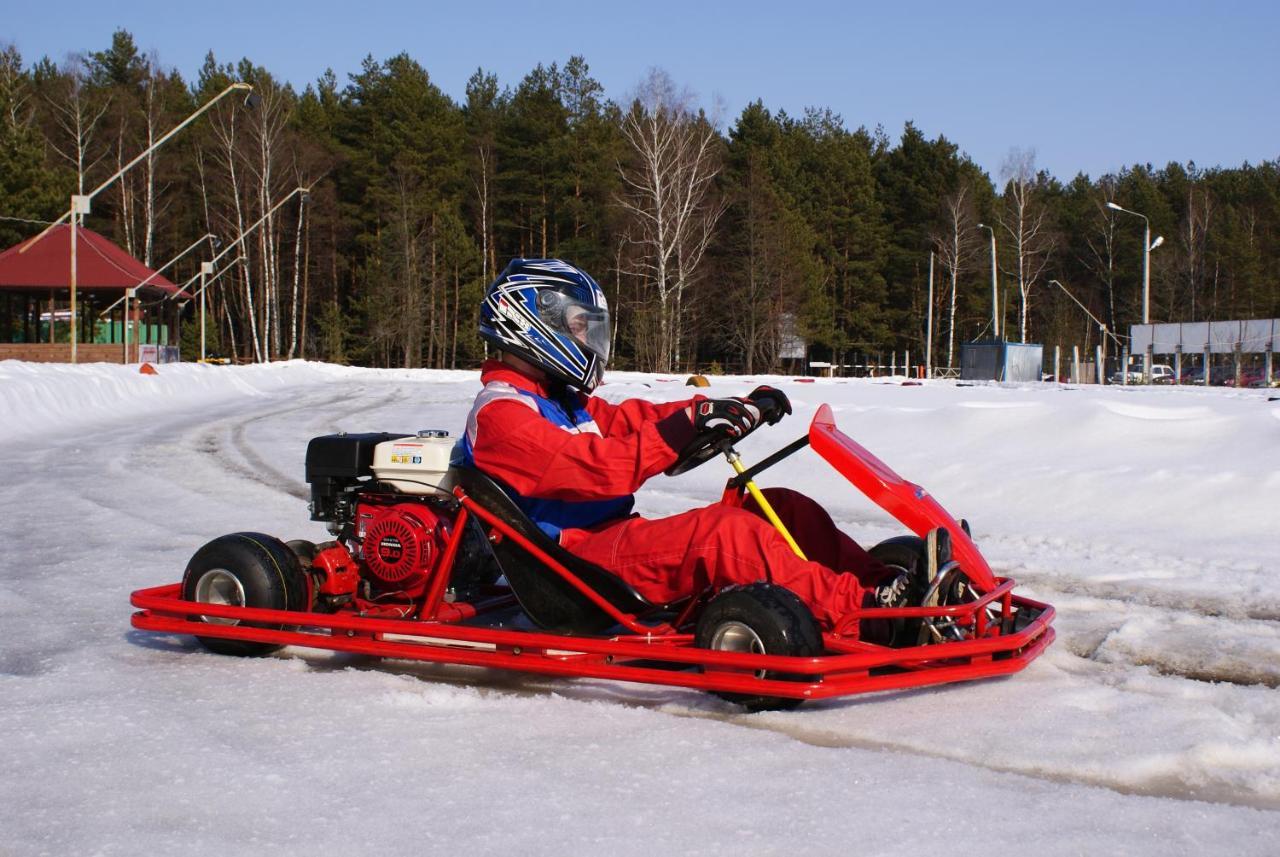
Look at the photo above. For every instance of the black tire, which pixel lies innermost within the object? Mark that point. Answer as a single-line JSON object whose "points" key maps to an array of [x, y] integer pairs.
{"points": [[760, 617], [250, 569], [900, 553]]}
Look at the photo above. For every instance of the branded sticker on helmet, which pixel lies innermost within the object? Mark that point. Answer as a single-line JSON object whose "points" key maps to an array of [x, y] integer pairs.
{"points": [[509, 312]]}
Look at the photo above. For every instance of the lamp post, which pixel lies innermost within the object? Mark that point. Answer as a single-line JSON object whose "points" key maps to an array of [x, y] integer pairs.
{"points": [[995, 298], [234, 244], [1147, 246], [928, 327], [1103, 333], [206, 268], [80, 203], [129, 293], [207, 278]]}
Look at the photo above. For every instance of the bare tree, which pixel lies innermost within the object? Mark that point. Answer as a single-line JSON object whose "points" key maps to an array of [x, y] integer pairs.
{"points": [[667, 196], [1102, 245], [77, 116], [14, 93], [1193, 237], [954, 246], [266, 132], [227, 156], [155, 92], [1026, 219]]}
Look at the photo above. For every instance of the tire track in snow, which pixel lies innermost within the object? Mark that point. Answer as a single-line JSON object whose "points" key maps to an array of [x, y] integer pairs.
{"points": [[677, 702], [1201, 604], [1170, 788], [252, 466], [1180, 643]]}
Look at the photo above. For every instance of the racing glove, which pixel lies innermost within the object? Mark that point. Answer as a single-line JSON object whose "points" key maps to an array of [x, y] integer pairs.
{"points": [[735, 417], [773, 404]]}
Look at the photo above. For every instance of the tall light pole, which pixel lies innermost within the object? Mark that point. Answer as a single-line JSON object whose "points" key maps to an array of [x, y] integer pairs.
{"points": [[207, 279], [80, 203], [129, 293], [1147, 246], [928, 327], [1103, 333], [995, 297], [206, 268]]}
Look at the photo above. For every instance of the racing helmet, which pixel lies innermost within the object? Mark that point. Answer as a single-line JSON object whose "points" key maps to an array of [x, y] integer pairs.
{"points": [[551, 314]]}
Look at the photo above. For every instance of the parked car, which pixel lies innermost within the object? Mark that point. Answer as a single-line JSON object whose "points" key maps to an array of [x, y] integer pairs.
{"points": [[1248, 378], [1161, 373]]}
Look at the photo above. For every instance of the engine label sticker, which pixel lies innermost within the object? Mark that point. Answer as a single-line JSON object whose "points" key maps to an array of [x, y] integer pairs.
{"points": [[409, 453]]}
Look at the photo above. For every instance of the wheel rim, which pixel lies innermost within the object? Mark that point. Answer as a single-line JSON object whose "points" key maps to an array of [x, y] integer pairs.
{"points": [[738, 637], [219, 586]]}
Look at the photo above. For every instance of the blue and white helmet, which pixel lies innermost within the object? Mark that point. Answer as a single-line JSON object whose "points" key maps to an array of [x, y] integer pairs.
{"points": [[551, 314]]}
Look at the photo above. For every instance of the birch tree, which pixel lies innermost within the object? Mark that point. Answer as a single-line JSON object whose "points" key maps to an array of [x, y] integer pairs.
{"points": [[77, 115], [1101, 241], [667, 196], [1025, 220], [954, 246]]}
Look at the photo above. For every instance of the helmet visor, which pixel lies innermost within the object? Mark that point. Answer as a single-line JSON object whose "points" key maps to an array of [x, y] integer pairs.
{"points": [[586, 324], [590, 327]]}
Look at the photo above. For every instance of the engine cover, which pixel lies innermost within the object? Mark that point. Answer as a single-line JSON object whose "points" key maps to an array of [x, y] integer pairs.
{"points": [[398, 544]]}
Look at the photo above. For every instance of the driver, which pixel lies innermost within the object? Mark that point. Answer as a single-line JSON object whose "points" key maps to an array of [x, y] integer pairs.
{"points": [[572, 461]]}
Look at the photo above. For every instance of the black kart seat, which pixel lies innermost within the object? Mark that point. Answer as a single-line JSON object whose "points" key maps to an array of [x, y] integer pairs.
{"points": [[549, 600]]}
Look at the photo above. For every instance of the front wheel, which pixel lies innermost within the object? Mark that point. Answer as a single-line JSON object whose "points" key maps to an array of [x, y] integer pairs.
{"points": [[901, 554], [244, 570], [761, 619]]}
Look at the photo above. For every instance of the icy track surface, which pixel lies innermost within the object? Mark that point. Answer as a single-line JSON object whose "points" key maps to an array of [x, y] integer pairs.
{"points": [[1148, 517]]}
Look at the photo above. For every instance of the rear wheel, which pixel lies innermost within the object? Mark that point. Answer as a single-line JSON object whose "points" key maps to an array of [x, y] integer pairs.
{"points": [[244, 570], [760, 618]]}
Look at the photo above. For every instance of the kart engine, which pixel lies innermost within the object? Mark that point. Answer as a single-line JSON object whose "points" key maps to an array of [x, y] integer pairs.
{"points": [[399, 542], [385, 499]]}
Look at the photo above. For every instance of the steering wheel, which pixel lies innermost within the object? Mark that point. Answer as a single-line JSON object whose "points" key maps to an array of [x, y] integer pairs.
{"points": [[703, 448]]}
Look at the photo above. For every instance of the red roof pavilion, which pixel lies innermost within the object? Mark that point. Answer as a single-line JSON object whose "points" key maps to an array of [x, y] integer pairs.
{"points": [[100, 264], [35, 299]]}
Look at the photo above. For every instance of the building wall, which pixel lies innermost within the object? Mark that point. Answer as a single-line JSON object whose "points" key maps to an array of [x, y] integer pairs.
{"points": [[44, 352]]}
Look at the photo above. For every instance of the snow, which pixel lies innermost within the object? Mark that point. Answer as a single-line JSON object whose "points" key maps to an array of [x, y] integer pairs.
{"points": [[1147, 516]]}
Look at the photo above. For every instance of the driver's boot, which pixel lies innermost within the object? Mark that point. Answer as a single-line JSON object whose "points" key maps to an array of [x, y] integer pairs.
{"points": [[937, 553], [937, 547]]}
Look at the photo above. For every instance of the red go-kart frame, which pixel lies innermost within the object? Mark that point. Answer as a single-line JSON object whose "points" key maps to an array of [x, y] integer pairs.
{"points": [[454, 632]]}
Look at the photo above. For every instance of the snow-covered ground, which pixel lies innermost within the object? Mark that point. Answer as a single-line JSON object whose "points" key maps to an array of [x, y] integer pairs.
{"points": [[1148, 517]]}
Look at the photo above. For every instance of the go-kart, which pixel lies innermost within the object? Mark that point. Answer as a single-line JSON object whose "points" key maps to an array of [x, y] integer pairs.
{"points": [[433, 562]]}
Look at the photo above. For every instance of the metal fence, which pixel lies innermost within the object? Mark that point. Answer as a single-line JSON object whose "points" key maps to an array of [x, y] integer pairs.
{"points": [[1256, 336]]}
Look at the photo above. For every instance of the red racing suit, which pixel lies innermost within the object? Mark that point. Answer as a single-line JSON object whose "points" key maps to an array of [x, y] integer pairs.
{"points": [[574, 464]]}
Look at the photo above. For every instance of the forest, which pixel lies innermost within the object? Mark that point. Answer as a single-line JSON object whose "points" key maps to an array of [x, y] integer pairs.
{"points": [[722, 243]]}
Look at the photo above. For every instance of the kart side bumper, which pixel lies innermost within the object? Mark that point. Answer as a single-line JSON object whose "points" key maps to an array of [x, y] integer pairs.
{"points": [[661, 658]]}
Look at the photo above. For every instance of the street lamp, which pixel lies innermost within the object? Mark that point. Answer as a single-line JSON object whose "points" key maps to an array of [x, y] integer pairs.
{"points": [[995, 298], [207, 278], [208, 236], [928, 326], [206, 268], [1103, 333], [80, 203], [1147, 246]]}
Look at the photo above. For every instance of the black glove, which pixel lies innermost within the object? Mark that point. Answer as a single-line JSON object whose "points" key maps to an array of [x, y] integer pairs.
{"points": [[734, 417], [773, 404]]}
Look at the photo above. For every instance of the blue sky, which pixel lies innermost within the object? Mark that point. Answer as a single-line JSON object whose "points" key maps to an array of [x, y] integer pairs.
{"points": [[1090, 86]]}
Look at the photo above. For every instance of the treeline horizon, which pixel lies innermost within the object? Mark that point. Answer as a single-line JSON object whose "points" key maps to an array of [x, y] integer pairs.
{"points": [[716, 248]]}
